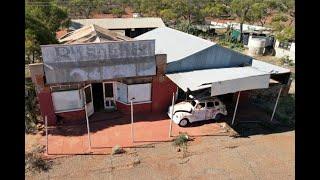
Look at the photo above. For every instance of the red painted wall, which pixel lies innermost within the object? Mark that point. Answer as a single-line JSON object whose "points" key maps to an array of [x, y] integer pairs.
{"points": [[137, 108], [46, 107], [244, 97], [162, 89]]}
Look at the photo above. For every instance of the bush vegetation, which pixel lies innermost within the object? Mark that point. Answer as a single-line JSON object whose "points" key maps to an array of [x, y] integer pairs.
{"points": [[34, 161]]}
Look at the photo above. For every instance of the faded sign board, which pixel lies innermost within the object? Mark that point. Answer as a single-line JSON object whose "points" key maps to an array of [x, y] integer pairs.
{"points": [[98, 61]]}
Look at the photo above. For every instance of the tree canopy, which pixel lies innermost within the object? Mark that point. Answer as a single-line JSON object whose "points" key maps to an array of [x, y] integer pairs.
{"points": [[41, 23]]}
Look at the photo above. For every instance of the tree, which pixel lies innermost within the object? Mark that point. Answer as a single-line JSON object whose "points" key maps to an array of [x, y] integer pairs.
{"points": [[51, 15], [31, 110], [217, 8], [41, 23], [282, 21], [118, 12], [262, 10], [168, 15], [83, 8], [252, 11]]}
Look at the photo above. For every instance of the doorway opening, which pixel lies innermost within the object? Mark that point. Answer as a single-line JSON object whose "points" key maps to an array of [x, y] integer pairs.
{"points": [[97, 93]]}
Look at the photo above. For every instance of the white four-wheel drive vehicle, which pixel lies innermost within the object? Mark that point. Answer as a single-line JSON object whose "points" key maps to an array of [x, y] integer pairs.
{"points": [[197, 110]]}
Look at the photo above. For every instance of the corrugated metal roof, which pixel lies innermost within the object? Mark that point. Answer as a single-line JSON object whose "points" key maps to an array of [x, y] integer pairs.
{"points": [[91, 33], [269, 68], [195, 80], [119, 23], [174, 43]]}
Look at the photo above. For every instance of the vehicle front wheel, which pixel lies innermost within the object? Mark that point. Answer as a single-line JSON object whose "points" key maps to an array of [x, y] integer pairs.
{"points": [[218, 117], [183, 122]]}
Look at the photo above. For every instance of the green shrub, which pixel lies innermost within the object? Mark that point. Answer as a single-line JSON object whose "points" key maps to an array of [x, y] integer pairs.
{"points": [[31, 110], [286, 60], [182, 139], [34, 161], [117, 150]]}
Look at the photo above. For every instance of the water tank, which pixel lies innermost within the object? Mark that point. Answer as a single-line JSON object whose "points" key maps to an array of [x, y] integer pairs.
{"points": [[256, 45]]}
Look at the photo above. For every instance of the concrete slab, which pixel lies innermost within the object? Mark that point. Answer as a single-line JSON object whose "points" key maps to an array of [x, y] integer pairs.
{"points": [[105, 134]]}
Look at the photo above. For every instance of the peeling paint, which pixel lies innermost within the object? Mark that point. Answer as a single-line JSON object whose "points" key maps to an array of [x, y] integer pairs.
{"points": [[98, 61]]}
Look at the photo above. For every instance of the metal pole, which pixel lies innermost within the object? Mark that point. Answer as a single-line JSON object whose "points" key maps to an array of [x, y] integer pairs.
{"points": [[172, 110], [87, 119], [47, 140], [275, 106], [132, 133], [235, 109]]}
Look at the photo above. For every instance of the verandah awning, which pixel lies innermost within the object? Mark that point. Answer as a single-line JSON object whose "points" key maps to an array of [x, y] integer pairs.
{"points": [[223, 80]]}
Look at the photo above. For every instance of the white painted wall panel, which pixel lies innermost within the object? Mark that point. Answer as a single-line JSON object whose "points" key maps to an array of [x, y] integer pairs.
{"points": [[141, 92], [67, 100], [122, 92], [241, 84]]}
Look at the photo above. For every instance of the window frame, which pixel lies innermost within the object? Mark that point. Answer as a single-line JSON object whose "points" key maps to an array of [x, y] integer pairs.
{"points": [[212, 104], [80, 101], [215, 102], [128, 97], [285, 45]]}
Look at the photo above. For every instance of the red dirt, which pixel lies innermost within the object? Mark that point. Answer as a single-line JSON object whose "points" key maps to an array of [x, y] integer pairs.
{"points": [[107, 133]]}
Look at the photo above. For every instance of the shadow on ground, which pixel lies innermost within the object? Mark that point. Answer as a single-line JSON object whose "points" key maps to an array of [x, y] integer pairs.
{"points": [[102, 120], [254, 120], [250, 120]]}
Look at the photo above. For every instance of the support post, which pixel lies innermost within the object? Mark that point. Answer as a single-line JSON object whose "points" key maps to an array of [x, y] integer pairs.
{"points": [[47, 140], [275, 106], [87, 119], [132, 133], [235, 109], [171, 119]]}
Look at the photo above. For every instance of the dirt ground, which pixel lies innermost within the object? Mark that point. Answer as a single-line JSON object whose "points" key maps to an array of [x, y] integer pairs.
{"points": [[263, 156]]}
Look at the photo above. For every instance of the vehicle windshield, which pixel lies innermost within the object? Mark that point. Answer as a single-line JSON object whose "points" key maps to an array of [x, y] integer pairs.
{"points": [[193, 103]]}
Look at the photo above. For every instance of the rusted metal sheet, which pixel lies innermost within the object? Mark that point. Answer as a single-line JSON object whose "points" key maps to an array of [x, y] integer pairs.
{"points": [[98, 61]]}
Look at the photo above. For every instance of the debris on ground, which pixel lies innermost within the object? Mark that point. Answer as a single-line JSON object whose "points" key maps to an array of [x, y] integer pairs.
{"points": [[117, 150]]}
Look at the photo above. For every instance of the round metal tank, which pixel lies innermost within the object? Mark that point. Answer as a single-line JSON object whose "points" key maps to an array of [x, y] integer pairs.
{"points": [[256, 45]]}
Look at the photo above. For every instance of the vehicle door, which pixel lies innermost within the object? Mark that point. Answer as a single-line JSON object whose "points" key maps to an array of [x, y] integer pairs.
{"points": [[199, 112], [211, 110]]}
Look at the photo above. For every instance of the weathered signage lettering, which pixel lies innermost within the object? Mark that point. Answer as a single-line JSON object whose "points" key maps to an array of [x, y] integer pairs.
{"points": [[97, 51], [83, 62]]}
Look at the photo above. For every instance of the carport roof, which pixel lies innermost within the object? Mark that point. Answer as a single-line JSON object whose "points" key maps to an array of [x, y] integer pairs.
{"points": [[269, 68], [195, 80]]}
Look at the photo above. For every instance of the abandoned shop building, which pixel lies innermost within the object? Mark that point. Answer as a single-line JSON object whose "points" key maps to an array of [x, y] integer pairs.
{"points": [[96, 69]]}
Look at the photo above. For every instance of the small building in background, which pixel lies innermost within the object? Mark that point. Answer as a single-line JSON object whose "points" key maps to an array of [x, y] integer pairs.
{"points": [[285, 49], [130, 27]]}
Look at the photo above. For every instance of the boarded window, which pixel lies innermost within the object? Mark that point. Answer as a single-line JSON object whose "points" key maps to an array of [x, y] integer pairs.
{"points": [[67, 100], [141, 92], [122, 92]]}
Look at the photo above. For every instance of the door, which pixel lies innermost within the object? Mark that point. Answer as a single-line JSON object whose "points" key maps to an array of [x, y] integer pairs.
{"points": [[211, 110], [108, 95], [88, 99]]}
